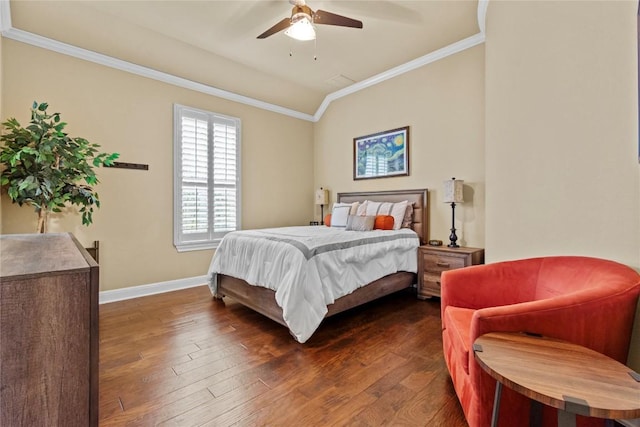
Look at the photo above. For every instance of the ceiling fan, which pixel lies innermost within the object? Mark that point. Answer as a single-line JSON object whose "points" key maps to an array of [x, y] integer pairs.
{"points": [[300, 25]]}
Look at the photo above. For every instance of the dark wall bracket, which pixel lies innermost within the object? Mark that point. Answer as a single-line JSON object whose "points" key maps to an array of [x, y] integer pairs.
{"points": [[123, 165]]}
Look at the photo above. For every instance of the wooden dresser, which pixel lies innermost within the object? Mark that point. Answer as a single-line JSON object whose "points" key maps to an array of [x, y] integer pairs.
{"points": [[433, 260], [48, 332]]}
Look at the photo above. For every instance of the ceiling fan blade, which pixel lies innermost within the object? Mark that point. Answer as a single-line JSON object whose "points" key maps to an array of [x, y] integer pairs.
{"points": [[328, 18], [285, 23]]}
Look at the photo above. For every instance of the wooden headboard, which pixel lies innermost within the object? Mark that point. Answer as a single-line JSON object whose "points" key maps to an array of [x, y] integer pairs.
{"points": [[417, 197]]}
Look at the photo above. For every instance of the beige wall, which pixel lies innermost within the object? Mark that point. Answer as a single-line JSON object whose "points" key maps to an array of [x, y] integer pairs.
{"points": [[562, 141], [133, 116], [443, 103], [561, 132]]}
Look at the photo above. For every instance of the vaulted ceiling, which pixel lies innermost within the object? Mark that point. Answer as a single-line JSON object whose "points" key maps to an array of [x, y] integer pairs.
{"points": [[214, 42]]}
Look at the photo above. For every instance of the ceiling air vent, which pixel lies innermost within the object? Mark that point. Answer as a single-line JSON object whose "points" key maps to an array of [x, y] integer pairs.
{"points": [[340, 81]]}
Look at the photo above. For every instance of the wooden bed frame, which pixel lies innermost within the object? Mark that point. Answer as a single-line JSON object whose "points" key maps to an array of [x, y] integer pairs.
{"points": [[263, 300]]}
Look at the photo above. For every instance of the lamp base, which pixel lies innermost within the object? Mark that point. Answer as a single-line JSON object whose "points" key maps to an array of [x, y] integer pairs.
{"points": [[452, 239]]}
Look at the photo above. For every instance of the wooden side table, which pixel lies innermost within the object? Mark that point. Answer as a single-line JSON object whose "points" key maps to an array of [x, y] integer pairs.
{"points": [[566, 376], [433, 260]]}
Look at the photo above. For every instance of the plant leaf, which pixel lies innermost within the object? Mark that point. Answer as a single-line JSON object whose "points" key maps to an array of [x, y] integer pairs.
{"points": [[45, 168]]}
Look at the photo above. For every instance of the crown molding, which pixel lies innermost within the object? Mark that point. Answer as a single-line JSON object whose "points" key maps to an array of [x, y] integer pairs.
{"points": [[108, 61], [5, 15], [434, 56], [66, 49], [482, 14]]}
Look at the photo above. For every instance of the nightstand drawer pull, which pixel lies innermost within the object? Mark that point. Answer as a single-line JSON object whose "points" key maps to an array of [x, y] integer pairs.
{"points": [[442, 264]]}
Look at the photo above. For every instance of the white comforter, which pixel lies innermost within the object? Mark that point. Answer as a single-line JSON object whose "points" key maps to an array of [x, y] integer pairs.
{"points": [[310, 267]]}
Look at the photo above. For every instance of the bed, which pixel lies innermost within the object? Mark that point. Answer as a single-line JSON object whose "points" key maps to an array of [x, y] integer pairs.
{"points": [[264, 300]]}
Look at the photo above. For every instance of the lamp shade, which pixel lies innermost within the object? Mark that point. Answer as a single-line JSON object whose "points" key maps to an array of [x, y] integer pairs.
{"points": [[301, 29], [322, 197], [453, 191]]}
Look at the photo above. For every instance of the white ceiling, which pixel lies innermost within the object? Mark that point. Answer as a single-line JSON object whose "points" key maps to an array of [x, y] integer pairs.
{"points": [[214, 42]]}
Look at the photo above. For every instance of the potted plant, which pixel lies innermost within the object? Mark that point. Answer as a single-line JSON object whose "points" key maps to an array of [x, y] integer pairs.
{"points": [[45, 168]]}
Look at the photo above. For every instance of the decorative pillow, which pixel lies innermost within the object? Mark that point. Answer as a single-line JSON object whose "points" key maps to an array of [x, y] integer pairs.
{"points": [[383, 222], [353, 206], [407, 222], [396, 210], [362, 208], [360, 223], [340, 214], [327, 220]]}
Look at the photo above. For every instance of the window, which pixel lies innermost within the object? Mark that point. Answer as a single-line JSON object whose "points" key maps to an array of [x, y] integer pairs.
{"points": [[206, 177]]}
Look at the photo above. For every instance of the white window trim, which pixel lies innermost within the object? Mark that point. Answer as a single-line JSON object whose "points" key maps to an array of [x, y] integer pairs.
{"points": [[186, 246]]}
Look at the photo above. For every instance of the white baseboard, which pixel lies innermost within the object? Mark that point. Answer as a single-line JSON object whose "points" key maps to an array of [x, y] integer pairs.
{"points": [[151, 289]]}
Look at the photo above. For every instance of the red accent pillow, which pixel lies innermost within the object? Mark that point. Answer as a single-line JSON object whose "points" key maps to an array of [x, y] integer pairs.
{"points": [[327, 220], [383, 222]]}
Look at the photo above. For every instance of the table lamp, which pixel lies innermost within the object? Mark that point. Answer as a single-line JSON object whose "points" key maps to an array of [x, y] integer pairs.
{"points": [[453, 194], [322, 198]]}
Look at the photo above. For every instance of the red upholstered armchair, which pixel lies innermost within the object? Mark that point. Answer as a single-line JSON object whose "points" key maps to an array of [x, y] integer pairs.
{"points": [[587, 301]]}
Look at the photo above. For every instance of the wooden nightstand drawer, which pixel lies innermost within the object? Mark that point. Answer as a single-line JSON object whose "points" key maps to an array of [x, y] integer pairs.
{"points": [[430, 285], [433, 260], [439, 263]]}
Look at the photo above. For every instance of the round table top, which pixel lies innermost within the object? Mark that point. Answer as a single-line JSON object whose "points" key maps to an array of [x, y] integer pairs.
{"points": [[560, 374]]}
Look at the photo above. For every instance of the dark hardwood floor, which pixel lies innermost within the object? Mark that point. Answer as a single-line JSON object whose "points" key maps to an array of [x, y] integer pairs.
{"points": [[183, 359]]}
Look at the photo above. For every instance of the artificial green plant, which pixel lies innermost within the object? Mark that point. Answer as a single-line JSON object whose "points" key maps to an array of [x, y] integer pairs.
{"points": [[44, 167]]}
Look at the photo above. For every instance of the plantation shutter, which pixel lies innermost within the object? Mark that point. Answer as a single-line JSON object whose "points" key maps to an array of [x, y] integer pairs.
{"points": [[207, 178], [224, 175], [195, 176]]}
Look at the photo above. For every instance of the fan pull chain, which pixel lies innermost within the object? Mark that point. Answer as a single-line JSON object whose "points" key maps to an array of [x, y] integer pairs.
{"points": [[315, 49]]}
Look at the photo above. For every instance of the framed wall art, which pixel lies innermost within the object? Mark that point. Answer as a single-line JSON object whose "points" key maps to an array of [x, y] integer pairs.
{"points": [[381, 155]]}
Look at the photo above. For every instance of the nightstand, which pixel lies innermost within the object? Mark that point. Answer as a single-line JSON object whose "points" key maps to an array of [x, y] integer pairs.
{"points": [[433, 260]]}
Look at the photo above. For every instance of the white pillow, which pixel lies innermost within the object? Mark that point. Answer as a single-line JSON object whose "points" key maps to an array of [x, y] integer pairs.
{"points": [[353, 207], [362, 209], [396, 210], [340, 214]]}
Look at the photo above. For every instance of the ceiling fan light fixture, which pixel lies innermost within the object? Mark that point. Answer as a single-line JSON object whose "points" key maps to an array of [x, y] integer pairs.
{"points": [[301, 28]]}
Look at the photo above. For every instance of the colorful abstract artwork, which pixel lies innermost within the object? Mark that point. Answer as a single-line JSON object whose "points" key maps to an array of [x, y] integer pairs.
{"points": [[382, 154]]}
